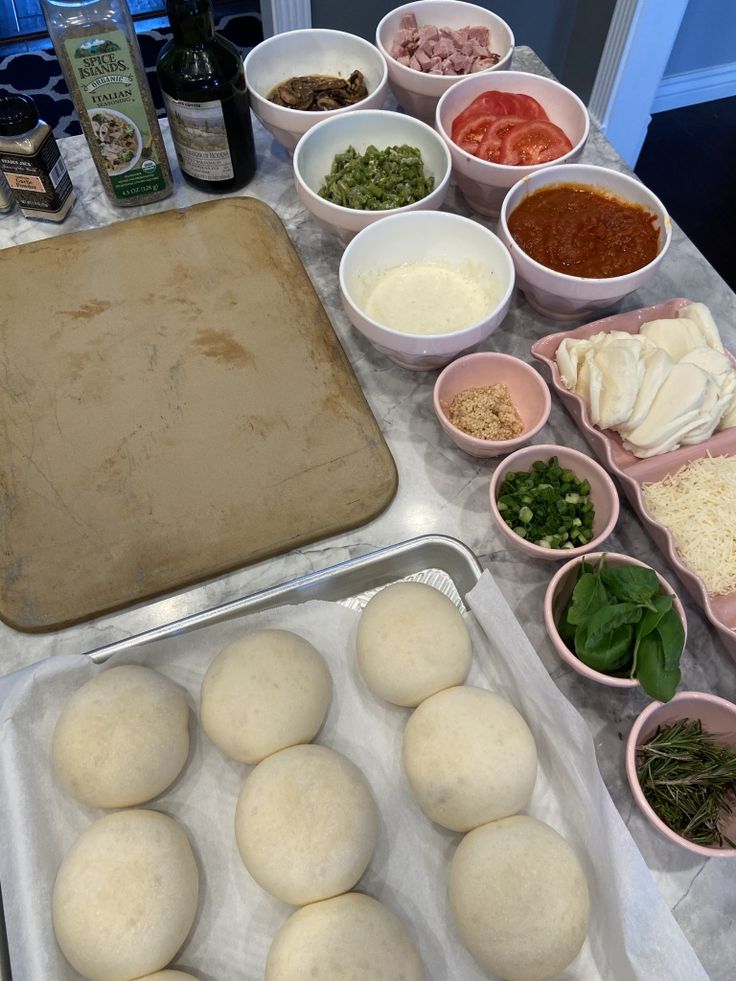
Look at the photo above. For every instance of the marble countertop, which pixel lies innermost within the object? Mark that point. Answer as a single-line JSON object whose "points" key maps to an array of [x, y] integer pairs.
{"points": [[443, 491]]}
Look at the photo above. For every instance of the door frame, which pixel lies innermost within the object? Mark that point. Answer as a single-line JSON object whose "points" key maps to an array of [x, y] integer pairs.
{"points": [[635, 55], [285, 15]]}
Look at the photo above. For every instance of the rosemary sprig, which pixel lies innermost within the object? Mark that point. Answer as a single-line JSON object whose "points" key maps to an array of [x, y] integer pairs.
{"points": [[689, 780]]}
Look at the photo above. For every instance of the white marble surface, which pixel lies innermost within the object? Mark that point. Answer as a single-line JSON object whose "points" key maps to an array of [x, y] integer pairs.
{"points": [[443, 491]]}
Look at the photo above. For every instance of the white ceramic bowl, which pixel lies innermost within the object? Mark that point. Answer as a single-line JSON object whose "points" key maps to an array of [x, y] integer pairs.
{"points": [[559, 295], [416, 236], [310, 52], [484, 184], [418, 92], [317, 149]]}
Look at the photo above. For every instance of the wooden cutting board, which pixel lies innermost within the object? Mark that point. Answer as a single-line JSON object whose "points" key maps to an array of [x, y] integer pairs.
{"points": [[175, 404]]}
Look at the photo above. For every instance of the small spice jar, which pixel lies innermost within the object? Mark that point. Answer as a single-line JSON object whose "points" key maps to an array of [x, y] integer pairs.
{"points": [[31, 163], [7, 201]]}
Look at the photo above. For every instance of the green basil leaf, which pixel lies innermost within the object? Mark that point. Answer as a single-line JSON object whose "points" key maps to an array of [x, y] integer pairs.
{"points": [[656, 680], [566, 629], [651, 617], [631, 583], [672, 635], [609, 618], [588, 596], [612, 653]]}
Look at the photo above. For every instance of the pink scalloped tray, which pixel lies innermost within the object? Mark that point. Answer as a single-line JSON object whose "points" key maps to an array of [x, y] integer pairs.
{"points": [[633, 472]]}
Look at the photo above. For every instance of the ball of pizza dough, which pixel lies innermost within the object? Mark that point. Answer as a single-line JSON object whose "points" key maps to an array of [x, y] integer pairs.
{"points": [[306, 824], [412, 642], [519, 899], [122, 738], [348, 938], [469, 757], [168, 976], [125, 896], [266, 691]]}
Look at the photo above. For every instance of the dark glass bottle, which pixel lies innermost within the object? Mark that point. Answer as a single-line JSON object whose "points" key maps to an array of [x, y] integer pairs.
{"points": [[202, 80]]}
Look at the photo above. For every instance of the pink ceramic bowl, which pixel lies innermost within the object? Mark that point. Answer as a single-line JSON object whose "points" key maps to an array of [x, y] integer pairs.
{"points": [[484, 184], [718, 717], [527, 389], [603, 494], [558, 593]]}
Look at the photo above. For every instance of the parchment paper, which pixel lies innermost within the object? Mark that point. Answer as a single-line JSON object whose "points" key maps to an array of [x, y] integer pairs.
{"points": [[633, 936]]}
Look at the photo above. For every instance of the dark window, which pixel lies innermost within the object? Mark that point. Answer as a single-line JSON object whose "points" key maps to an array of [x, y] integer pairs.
{"points": [[22, 19]]}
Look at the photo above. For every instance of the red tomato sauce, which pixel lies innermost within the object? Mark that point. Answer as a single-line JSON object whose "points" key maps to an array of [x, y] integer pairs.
{"points": [[584, 231]]}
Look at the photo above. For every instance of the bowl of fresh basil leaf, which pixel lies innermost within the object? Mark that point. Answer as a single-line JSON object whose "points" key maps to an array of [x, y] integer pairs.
{"points": [[616, 621]]}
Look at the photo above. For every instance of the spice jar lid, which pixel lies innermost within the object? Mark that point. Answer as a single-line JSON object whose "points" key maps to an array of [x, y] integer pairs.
{"points": [[18, 114]]}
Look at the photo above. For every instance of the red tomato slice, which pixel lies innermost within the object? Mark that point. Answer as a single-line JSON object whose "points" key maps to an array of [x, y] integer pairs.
{"points": [[490, 146], [533, 142], [468, 130], [507, 104], [495, 103], [529, 108]]}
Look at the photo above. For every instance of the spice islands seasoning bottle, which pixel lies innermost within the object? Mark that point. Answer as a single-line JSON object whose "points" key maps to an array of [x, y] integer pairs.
{"points": [[34, 169], [101, 61], [203, 83]]}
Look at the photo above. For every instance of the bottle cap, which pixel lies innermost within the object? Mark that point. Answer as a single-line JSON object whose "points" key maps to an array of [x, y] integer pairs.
{"points": [[18, 114]]}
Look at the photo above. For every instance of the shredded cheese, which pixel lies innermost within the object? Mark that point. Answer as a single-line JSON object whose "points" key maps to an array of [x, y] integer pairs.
{"points": [[698, 506]]}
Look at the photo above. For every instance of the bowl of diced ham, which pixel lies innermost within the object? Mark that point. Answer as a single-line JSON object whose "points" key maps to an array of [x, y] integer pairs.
{"points": [[500, 128], [430, 44]]}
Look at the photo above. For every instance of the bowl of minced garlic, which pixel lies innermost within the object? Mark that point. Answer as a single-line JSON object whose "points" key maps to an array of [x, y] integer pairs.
{"points": [[490, 404]]}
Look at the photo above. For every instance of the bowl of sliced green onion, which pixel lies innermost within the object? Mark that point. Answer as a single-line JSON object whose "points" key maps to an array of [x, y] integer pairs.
{"points": [[553, 502], [681, 766]]}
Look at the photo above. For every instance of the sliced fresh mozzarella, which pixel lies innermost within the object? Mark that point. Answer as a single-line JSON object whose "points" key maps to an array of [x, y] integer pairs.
{"points": [[590, 382], [676, 410], [621, 371], [568, 356], [701, 315], [676, 337], [657, 365], [728, 417]]}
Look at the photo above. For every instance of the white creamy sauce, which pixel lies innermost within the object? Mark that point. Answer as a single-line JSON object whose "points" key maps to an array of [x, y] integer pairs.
{"points": [[430, 297]]}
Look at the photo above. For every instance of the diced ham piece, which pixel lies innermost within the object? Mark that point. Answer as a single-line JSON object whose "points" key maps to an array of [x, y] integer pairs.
{"points": [[424, 60], [442, 50], [480, 34]]}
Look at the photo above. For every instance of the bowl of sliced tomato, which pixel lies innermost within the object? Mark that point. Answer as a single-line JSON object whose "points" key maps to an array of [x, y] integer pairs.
{"points": [[503, 128]]}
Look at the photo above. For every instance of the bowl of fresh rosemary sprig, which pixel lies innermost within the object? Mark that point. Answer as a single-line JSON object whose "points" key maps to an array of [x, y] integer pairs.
{"points": [[681, 765]]}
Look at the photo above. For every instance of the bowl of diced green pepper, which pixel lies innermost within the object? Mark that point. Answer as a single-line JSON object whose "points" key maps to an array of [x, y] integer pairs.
{"points": [[355, 169], [553, 502]]}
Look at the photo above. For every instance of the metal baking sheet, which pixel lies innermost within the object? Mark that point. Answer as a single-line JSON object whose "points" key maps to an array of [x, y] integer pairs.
{"points": [[350, 582], [443, 562]]}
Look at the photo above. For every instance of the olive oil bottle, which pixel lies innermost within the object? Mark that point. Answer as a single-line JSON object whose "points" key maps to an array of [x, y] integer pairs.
{"points": [[202, 80]]}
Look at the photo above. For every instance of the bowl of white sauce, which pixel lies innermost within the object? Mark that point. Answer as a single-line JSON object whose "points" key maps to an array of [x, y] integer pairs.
{"points": [[426, 286]]}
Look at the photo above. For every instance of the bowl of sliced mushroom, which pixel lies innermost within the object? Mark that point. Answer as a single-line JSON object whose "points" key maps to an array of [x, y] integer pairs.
{"points": [[297, 78]]}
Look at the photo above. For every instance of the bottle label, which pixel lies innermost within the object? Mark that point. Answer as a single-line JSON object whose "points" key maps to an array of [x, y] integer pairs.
{"points": [[200, 138], [39, 182], [105, 73]]}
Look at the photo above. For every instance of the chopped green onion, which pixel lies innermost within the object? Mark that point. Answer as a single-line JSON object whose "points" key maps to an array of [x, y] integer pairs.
{"points": [[549, 505]]}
